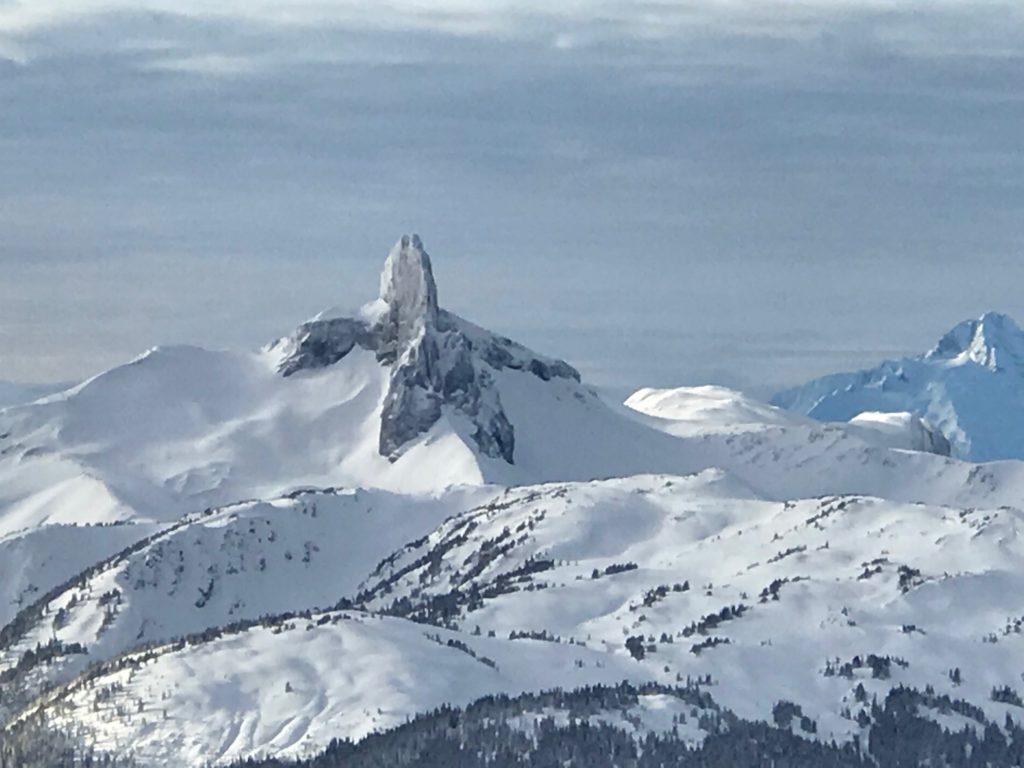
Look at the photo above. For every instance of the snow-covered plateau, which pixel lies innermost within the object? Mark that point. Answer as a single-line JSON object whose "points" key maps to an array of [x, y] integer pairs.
{"points": [[207, 556]]}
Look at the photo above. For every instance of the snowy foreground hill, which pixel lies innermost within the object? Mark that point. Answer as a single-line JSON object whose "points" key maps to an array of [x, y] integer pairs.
{"points": [[209, 556]]}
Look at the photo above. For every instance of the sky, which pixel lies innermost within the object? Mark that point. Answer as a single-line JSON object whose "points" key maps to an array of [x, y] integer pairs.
{"points": [[743, 192]]}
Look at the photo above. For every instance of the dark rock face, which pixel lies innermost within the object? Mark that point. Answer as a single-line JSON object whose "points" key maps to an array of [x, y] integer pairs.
{"points": [[325, 342], [499, 352], [437, 359]]}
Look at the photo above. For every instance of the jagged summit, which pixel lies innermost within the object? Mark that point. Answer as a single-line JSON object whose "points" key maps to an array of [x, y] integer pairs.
{"points": [[970, 386], [407, 286], [437, 360], [993, 340]]}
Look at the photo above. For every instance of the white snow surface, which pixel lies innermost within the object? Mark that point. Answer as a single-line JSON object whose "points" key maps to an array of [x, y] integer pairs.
{"points": [[194, 493], [694, 411], [181, 429], [698, 410], [288, 690]]}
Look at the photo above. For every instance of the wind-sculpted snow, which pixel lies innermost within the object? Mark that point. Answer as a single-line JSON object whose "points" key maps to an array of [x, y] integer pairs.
{"points": [[970, 386], [699, 410]]}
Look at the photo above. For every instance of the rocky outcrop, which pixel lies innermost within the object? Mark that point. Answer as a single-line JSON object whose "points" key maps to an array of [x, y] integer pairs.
{"points": [[320, 343], [905, 431], [437, 359]]}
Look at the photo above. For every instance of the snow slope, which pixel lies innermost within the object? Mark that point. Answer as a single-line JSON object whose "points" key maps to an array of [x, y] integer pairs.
{"points": [[183, 428], [404, 397], [901, 430], [34, 561], [289, 688], [652, 577], [970, 386], [783, 455], [231, 564], [699, 410]]}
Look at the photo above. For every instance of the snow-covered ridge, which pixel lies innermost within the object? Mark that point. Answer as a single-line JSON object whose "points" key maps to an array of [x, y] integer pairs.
{"points": [[35, 560], [693, 411], [402, 395], [697, 410], [970, 387], [184, 428], [287, 687]]}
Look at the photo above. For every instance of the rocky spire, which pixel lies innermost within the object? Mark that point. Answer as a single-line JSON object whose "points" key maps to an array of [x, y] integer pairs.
{"points": [[436, 359], [408, 289]]}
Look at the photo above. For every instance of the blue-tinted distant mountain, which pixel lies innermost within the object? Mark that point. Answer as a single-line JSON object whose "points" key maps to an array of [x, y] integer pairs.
{"points": [[970, 387]]}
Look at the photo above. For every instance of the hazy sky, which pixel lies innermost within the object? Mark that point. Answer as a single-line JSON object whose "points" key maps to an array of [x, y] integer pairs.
{"points": [[747, 192]]}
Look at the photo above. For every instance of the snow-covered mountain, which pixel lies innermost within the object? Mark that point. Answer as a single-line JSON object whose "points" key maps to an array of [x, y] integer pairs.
{"points": [[213, 555], [400, 395], [970, 387], [901, 430]]}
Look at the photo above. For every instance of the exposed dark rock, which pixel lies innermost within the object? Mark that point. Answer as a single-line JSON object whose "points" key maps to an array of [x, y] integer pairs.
{"points": [[320, 343]]}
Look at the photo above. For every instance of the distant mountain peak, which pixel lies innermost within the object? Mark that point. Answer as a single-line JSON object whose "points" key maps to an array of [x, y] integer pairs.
{"points": [[993, 340], [970, 386]]}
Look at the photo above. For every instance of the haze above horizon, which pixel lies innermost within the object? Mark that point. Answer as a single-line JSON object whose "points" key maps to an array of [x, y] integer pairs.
{"points": [[748, 193]]}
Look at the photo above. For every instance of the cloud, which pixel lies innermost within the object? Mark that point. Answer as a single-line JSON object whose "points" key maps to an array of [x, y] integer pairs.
{"points": [[606, 180], [206, 64], [911, 27]]}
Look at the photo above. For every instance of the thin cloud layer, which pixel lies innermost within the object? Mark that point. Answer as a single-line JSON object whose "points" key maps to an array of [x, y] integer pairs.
{"points": [[918, 27]]}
